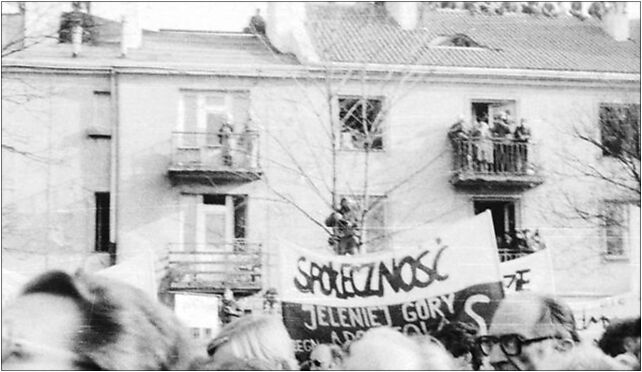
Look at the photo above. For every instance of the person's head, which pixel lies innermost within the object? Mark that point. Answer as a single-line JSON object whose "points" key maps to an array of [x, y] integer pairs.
{"points": [[526, 330], [384, 348], [261, 337], [88, 322], [460, 340], [229, 118], [622, 337], [236, 364], [435, 355], [325, 357]]}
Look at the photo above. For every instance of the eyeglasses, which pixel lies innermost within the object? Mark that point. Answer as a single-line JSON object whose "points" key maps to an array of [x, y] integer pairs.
{"points": [[316, 363], [511, 344]]}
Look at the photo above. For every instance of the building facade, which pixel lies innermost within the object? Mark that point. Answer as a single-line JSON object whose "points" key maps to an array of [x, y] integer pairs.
{"points": [[213, 150]]}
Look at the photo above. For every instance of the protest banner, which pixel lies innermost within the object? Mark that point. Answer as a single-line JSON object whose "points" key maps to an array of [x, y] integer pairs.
{"points": [[138, 271], [332, 299], [533, 272], [199, 312]]}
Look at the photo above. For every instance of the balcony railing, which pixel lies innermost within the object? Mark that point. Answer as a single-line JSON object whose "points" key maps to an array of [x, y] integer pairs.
{"points": [[494, 161], [507, 254], [205, 156], [522, 243], [213, 267]]}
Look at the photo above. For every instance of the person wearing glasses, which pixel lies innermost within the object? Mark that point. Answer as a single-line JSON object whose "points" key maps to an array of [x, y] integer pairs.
{"points": [[528, 331], [87, 322]]}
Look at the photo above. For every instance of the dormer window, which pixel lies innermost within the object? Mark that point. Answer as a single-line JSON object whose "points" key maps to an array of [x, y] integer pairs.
{"points": [[457, 40]]}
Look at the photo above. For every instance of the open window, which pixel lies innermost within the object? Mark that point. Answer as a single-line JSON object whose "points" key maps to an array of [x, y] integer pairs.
{"points": [[203, 114], [213, 221], [361, 121], [620, 130], [490, 111], [504, 218]]}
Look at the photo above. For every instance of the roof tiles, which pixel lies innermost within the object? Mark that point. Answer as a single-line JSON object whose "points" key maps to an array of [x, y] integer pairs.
{"points": [[365, 33]]}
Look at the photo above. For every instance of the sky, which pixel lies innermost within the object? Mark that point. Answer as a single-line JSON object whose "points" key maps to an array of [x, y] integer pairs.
{"points": [[205, 16], [209, 16]]}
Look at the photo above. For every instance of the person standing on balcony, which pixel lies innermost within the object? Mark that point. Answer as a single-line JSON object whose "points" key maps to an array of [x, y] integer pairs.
{"points": [[459, 134], [252, 146], [485, 147], [225, 138], [522, 134]]}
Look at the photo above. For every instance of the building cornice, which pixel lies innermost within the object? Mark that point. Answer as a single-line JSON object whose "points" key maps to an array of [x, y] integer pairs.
{"points": [[338, 70]]}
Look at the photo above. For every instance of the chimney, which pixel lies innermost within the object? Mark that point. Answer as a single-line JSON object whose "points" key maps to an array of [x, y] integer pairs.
{"points": [[76, 40], [405, 13], [282, 19], [286, 32], [131, 32], [565, 7], [584, 8], [616, 22]]}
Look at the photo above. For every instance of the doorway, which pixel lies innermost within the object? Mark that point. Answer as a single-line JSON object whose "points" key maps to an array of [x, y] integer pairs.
{"points": [[503, 214]]}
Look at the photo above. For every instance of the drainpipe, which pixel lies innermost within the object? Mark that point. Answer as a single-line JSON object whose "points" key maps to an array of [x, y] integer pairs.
{"points": [[114, 169]]}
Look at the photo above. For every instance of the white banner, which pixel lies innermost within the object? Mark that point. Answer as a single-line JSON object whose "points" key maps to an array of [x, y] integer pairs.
{"points": [[532, 272], [138, 271], [198, 311], [463, 256]]}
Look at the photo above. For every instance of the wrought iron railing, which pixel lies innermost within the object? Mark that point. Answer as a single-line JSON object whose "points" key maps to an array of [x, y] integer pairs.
{"points": [[236, 264], [507, 254], [523, 242], [211, 151], [493, 156]]}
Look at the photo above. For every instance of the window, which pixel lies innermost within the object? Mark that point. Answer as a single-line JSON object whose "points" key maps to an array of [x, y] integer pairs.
{"points": [[213, 221], [202, 114], [457, 40], [483, 110], [207, 333], [374, 235], [615, 219], [102, 222], [361, 123], [196, 332], [504, 221], [101, 115], [620, 130]]}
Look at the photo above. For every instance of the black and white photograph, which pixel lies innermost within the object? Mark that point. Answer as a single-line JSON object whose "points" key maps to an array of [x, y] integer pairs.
{"points": [[320, 185]]}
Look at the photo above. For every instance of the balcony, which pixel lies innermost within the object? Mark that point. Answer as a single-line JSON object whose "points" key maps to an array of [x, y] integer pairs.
{"points": [[206, 158], [510, 165], [519, 244], [507, 254], [213, 267]]}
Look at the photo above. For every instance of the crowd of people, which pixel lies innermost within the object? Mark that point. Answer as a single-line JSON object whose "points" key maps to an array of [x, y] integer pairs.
{"points": [[86, 322], [479, 143], [521, 241]]}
